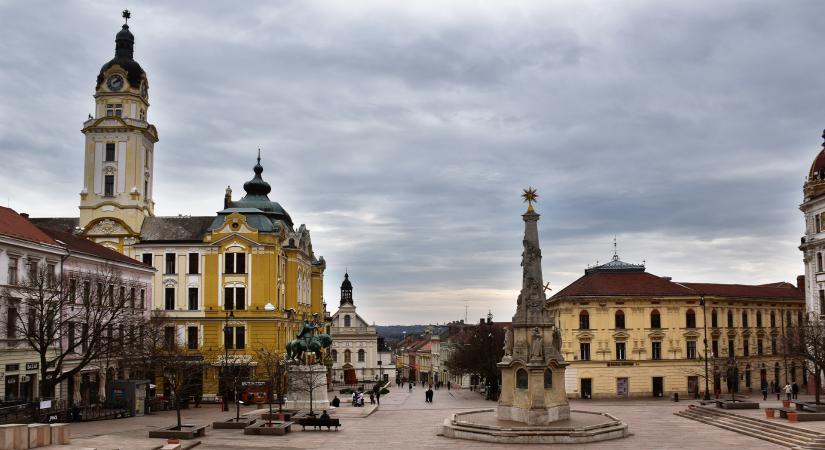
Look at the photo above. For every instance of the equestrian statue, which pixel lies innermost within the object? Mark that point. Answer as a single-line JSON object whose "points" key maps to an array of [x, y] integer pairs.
{"points": [[306, 342]]}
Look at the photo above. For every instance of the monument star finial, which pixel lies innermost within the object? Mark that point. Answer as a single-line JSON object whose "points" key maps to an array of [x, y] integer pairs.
{"points": [[126, 15], [530, 195]]}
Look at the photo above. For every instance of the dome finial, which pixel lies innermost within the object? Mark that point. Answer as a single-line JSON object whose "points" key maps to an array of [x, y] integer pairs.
{"points": [[126, 15]]}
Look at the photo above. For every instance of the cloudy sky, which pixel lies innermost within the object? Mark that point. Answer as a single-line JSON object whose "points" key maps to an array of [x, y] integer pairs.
{"points": [[402, 133]]}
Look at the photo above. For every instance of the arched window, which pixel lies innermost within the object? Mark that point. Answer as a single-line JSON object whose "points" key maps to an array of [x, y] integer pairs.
{"points": [[788, 320], [347, 356], [521, 379], [655, 319], [620, 319], [773, 319], [744, 319], [730, 319], [690, 319], [776, 372], [347, 321], [584, 320], [714, 319], [361, 354], [759, 319], [548, 379], [334, 355]]}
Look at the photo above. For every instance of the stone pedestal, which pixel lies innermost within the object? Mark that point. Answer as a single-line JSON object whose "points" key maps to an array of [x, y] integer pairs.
{"points": [[14, 437], [40, 435], [301, 380], [60, 434]]}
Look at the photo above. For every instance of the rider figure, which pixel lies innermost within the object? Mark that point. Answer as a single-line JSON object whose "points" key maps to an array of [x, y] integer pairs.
{"points": [[306, 331]]}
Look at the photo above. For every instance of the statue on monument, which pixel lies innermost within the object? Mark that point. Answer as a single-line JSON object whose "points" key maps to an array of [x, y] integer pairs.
{"points": [[508, 342], [537, 345]]}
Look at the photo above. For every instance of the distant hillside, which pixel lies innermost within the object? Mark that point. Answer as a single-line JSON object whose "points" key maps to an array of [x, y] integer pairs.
{"points": [[394, 333]]}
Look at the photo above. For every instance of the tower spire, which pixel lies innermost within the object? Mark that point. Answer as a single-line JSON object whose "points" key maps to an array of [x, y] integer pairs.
{"points": [[532, 297]]}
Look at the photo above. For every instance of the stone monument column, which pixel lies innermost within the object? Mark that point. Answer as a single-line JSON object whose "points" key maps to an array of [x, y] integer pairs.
{"points": [[532, 373]]}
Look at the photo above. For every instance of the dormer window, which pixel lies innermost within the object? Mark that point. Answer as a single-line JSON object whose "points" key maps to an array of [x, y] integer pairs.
{"points": [[110, 151], [114, 109]]}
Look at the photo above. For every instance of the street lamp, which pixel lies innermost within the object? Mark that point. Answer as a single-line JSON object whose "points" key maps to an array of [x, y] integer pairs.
{"points": [[227, 334], [705, 323]]}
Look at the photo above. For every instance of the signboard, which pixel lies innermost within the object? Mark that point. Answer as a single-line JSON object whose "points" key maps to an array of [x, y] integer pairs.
{"points": [[32, 366], [45, 404], [621, 364], [253, 383], [12, 367]]}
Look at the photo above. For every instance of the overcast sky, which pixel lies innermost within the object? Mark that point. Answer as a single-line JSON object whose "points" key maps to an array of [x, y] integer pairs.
{"points": [[402, 133]]}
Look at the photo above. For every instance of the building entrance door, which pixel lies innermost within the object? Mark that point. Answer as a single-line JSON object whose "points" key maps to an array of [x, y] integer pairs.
{"points": [[658, 386], [587, 387], [27, 388], [621, 387], [693, 386]]}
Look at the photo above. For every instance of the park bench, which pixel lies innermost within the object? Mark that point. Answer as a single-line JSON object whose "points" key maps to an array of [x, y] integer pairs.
{"points": [[317, 423], [809, 407]]}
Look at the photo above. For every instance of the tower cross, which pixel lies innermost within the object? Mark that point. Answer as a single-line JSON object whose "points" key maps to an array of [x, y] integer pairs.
{"points": [[126, 15]]}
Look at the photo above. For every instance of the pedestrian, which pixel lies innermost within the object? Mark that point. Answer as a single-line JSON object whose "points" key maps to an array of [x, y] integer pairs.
{"points": [[764, 391], [788, 391], [410, 389], [378, 398], [372, 398], [795, 388], [772, 388], [336, 402], [448, 385], [430, 394]]}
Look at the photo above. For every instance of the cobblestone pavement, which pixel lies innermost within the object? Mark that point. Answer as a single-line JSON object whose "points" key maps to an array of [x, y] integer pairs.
{"points": [[405, 421]]}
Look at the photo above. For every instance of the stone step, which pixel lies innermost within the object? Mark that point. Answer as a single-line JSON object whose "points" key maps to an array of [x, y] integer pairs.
{"points": [[748, 430], [778, 426], [773, 430]]}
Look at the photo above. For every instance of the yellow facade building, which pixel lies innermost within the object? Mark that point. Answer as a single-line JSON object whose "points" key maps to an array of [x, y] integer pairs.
{"points": [[249, 261], [629, 333]]}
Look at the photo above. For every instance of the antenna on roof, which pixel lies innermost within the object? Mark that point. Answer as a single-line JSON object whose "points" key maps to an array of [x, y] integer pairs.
{"points": [[615, 249]]}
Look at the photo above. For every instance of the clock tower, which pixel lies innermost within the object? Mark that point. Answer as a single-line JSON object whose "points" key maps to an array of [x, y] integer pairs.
{"points": [[119, 150]]}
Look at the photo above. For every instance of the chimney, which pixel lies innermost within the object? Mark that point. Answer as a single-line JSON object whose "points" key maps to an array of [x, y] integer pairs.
{"points": [[800, 282], [24, 215], [666, 278]]}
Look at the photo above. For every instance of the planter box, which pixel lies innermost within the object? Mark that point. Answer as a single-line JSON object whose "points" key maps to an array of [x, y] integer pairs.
{"points": [[770, 413], [60, 434], [727, 404], [278, 428], [792, 417], [786, 403], [285, 416], [233, 424], [186, 431]]}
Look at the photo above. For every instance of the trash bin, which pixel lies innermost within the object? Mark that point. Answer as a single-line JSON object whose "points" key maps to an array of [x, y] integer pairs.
{"points": [[675, 396]]}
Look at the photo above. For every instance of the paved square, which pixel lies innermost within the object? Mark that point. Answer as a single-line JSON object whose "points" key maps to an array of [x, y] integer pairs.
{"points": [[404, 420]]}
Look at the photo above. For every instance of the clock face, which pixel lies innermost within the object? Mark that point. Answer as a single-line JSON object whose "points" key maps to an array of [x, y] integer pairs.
{"points": [[115, 83]]}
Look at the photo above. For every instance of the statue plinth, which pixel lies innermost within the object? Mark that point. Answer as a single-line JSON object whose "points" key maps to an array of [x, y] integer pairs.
{"points": [[308, 385]]}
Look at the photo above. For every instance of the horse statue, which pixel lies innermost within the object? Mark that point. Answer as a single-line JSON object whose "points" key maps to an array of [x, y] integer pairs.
{"points": [[305, 342]]}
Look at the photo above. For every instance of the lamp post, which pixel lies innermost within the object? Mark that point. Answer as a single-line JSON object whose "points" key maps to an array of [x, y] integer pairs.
{"points": [[705, 323], [227, 333]]}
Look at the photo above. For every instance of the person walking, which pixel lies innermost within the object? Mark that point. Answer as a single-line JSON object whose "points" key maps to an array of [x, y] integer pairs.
{"points": [[795, 388], [764, 391], [788, 391], [448, 385], [410, 388], [378, 398], [372, 398]]}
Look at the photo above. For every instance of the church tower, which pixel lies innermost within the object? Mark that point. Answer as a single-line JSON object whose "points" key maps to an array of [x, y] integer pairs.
{"points": [[119, 150], [346, 291], [813, 243]]}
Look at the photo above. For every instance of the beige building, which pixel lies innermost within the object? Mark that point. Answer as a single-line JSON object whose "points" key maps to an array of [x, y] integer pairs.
{"points": [[629, 333]]}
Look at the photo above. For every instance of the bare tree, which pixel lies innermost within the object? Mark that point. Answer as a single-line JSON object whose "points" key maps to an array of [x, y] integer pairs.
{"points": [[806, 340], [476, 350], [306, 379], [275, 369], [72, 320], [158, 350]]}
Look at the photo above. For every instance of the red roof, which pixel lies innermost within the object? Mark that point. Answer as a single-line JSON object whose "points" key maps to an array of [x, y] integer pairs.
{"points": [[17, 226], [774, 290], [622, 283], [646, 284], [77, 244]]}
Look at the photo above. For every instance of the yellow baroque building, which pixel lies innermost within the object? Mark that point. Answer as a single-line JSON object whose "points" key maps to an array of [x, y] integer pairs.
{"points": [[248, 261], [629, 333]]}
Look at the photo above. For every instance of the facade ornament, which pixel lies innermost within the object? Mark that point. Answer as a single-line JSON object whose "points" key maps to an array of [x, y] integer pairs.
{"points": [[107, 226], [109, 170]]}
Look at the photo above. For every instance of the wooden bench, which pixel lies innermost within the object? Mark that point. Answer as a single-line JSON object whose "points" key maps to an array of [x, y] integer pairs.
{"points": [[317, 423], [783, 412]]}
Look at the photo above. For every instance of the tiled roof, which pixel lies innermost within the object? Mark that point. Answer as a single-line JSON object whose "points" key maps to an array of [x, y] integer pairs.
{"points": [[56, 223], [622, 283], [646, 284], [774, 290], [175, 228], [77, 244], [17, 226]]}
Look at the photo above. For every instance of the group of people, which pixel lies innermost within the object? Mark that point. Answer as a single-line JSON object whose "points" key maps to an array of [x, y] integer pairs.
{"points": [[428, 394], [790, 390]]}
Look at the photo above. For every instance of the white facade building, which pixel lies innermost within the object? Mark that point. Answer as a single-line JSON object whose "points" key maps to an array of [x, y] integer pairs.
{"points": [[354, 350], [813, 243]]}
